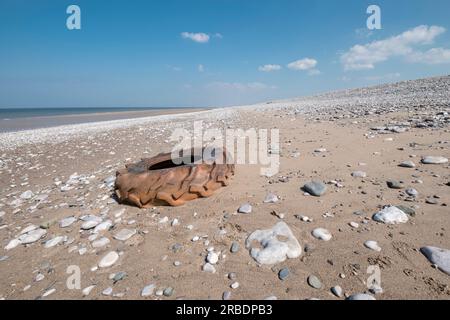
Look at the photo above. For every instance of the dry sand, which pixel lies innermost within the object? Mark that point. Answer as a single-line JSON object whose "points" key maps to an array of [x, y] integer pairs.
{"points": [[35, 160]]}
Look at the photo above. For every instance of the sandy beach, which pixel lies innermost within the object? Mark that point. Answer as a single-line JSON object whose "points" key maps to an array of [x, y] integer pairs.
{"points": [[352, 141]]}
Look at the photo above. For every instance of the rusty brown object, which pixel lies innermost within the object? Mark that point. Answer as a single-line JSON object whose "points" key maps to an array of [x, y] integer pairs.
{"points": [[160, 181]]}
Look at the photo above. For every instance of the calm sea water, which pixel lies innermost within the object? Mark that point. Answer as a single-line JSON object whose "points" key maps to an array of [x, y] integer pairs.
{"points": [[15, 113]]}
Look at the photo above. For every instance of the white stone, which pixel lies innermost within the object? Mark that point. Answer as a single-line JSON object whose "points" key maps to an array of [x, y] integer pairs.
{"points": [[100, 242], [212, 257], [391, 215], [27, 195], [337, 291], [208, 267], [235, 285], [361, 296], [245, 208], [91, 224], [107, 292], [86, 291], [32, 236], [67, 222], [12, 244], [48, 292], [354, 224], [124, 234], [28, 229], [148, 290], [372, 245], [273, 250], [434, 160], [271, 198], [104, 226], [359, 174], [439, 257], [322, 234], [109, 259], [53, 242]]}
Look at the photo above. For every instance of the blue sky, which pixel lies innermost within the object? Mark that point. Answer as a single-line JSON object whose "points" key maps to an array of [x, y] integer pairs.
{"points": [[211, 53]]}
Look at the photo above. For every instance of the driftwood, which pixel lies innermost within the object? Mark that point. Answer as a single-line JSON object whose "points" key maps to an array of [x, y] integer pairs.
{"points": [[158, 180]]}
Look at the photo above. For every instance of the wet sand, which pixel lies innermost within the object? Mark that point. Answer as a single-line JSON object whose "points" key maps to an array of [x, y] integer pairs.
{"points": [[27, 123]]}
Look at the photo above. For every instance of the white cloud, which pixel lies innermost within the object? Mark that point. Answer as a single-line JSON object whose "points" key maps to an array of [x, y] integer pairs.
{"points": [[303, 64], [197, 37], [361, 57], [269, 67], [201, 68], [239, 86], [432, 56]]}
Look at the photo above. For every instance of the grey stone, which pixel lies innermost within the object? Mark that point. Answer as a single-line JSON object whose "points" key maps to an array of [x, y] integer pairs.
{"points": [[168, 291], [315, 188], [245, 208], [283, 274], [314, 282], [439, 257], [394, 184], [234, 247]]}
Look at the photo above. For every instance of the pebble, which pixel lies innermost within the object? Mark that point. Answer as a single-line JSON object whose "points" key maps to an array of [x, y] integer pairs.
{"points": [[168, 291], [235, 285], [373, 245], [109, 259], [434, 160], [27, 195], [412, 192], [315, 188], [208, 267], [32, 236], [148, 290], [104, 226], [12, 244], [337, 291], [234, 247], [407, 164], [39, 277], [212, 257], [119, 276], [394, 184], [100, 242], [359, 174], [431, 201], [271, 198], [391, 215], [439, 257], [314, 282], [124, 234], [86, 291], [226, 295], [361, 296], [48, 292], [53, 242], [90, 224], [67, 222], [322, 234], [354, 224], [283, 274], [245, 208], [107, 292]]}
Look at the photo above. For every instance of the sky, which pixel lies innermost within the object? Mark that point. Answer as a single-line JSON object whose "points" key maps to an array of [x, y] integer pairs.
{"points": [[181, 53]]}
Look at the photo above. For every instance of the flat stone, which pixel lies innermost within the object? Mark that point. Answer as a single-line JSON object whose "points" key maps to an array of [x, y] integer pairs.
{"points": [[394, 184], [67, 222], [119, 276], [439, 257], [314, 282], [86, 291], [100, 242], [337, 291], [107, 292], [53, 242], [359, 174], [373, 245], [322, 234], [27, 195], [92, 223], [245, 208], [361, 296], [315, 188], [208, 267], [148, 290], [407, 164], [109, 259], [434, 160], [104, 226], [32, 236], [431, 201], [283, 274], [390, 215], [412, 192], [273, 250], [271, 198], [124, 234]]}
